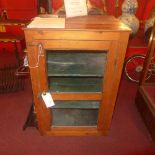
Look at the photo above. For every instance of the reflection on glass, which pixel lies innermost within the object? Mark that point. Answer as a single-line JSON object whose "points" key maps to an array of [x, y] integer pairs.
{"points": [[75, 71]]}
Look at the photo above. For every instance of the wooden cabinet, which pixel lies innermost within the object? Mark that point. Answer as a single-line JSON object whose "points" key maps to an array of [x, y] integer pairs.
{"points": [[80, 65]]}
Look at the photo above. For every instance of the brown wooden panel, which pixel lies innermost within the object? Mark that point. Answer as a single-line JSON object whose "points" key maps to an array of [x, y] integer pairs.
{"points": [[77, 96], [97, 46], [74, 131]]}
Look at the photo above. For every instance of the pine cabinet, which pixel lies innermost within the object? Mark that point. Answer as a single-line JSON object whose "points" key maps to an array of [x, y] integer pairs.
{"points": [[80, 65]]}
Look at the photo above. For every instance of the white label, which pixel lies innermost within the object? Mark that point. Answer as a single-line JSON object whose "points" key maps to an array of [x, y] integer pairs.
{"points": [[46, 96], [75, 8]]}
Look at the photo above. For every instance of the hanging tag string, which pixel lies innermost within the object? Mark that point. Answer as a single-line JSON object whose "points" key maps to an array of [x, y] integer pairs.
{"points": [[40, 53]]}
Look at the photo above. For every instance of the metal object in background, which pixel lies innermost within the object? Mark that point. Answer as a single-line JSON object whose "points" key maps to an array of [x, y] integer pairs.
{"points": [[9, 82], [148, 26], [133, 68]]}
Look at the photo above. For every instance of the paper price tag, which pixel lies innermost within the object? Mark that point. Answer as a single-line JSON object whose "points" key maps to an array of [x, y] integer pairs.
{"points": [[47, 99]]}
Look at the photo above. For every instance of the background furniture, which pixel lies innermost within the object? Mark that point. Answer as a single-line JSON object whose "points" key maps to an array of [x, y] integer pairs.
{"points": [[27, 9], [14, 40], [17, 39], [9, 82], [145, 98]]}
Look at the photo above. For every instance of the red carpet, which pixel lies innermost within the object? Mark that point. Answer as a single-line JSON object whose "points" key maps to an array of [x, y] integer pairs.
{"points": [[128, 134]]}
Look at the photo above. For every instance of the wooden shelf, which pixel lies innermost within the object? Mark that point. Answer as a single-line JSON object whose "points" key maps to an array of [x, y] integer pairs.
{"points": [[76, 104]]}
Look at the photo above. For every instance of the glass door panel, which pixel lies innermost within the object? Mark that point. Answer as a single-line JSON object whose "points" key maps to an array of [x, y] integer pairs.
{"points": [[75, 84], [75, 113], [75, 71]]}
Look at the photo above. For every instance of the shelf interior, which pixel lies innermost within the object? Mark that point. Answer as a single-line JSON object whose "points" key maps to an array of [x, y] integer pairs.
{"points": [[75, 113], [76, 63], [75, 71]]}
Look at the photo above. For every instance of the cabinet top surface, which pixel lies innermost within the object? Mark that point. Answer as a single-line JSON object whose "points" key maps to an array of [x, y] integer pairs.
{"points": [[97, 23]]}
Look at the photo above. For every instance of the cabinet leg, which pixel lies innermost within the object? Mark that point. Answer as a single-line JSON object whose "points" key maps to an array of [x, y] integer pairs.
{"points": [[31, 120]]}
